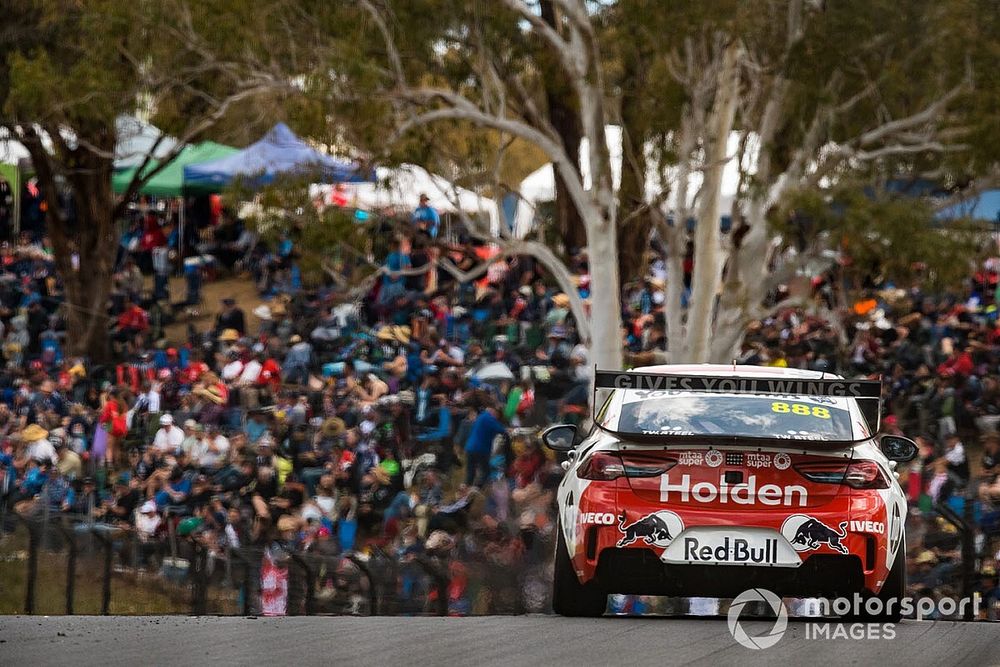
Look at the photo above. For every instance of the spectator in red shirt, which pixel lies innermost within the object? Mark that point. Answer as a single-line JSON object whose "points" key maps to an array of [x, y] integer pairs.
{"points": [[196, 367], [132, 324], [270, 373], [959, 363]]}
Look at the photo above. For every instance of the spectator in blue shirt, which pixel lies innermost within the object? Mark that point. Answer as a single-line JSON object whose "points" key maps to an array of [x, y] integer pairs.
{"points": [[426, 218], [479, 445], [394, 284], [443, 427]]}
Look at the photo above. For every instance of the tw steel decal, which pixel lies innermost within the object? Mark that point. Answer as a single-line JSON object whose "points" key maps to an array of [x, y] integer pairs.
{"points": [[806, 533], [657, 529], [745, 493]]}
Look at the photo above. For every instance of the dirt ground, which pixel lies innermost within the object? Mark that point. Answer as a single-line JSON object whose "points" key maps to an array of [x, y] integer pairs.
{"points": [[240, 288]]}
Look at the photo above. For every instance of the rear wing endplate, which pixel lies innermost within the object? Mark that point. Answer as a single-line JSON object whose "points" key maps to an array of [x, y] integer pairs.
{"points": [[868, 393]]}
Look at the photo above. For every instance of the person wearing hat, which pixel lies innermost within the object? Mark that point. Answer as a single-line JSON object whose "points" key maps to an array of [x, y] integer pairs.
{"points": [[556, 350], [559, 312], [215, 395], [68, 462], [267, 317], [147, 523], [333, 427], [229, 336], [263, 313], [230, 317], [298, 360], [125, 499], [168, 438], [192, 436], [38, 446], [213, 449], [81, 500], [385, 334], [447, 354], [425, 217]]}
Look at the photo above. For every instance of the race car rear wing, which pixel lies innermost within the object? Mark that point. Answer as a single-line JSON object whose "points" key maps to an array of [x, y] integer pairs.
{"points": [[868, 393]]}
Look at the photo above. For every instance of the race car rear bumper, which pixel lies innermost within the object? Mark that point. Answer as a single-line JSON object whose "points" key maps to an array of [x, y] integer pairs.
{"points": [[640, 571]]}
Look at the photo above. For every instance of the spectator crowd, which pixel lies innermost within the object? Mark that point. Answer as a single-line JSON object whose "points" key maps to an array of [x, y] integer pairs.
{"points": [[403, 420]]}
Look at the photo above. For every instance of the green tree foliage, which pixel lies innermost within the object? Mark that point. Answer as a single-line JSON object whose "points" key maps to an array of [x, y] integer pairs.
{"points": [[882, 59], [68, 69], [330, 242], [882, 236]]}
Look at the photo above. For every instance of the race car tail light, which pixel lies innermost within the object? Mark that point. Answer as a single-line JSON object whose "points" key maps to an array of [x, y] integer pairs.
{"points": [[602, 466], [606, 466], [637, 465], [824, 473], [865, 475], [857, 475]]}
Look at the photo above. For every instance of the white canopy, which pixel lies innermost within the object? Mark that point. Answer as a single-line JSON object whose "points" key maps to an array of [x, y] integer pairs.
{"points": [[135, 139], [398, 189], [539, 186]]}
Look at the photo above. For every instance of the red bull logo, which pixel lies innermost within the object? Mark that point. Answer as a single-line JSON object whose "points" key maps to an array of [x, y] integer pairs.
{"points": [[806, 533]]}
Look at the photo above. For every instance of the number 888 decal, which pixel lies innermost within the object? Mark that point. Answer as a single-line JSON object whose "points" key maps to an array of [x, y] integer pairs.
{"points": [[800, 409]]}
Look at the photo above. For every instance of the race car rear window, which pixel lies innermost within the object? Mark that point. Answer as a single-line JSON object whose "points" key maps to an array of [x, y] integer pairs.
{"points": [[757, 416]]}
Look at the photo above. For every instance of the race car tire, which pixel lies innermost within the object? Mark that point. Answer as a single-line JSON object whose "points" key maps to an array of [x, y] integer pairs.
{"points": [[569, 596], [892, 593], [894, 589]]}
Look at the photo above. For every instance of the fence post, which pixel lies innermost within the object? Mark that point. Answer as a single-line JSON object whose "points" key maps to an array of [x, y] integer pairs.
{"points": [[33, 540], [968, 550], [245, 579], [310, 583], [70, 566], [199, 603], [440, 576], [964, 525], [372, 585], [108, 545]]}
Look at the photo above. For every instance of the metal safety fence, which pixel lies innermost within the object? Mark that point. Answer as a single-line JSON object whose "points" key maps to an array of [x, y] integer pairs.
{"points": [[67, 564]]}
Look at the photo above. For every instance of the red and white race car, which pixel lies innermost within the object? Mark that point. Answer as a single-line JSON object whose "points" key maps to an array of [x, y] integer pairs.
{"points": [[709, 480]]}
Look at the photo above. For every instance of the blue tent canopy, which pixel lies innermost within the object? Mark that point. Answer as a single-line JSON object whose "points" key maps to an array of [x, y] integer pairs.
{"points": [[984, 206], [278, 153]]}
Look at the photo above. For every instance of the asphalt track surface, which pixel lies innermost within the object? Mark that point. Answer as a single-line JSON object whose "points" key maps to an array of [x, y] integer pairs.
{"points": [[485, 640]]}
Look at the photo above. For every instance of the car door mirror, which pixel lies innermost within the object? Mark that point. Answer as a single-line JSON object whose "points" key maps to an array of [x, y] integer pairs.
{"points": [[897, 448], [560, 438]]}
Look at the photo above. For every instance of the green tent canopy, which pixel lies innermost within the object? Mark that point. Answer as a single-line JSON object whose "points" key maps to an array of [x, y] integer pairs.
{"points": [[170, 181]]}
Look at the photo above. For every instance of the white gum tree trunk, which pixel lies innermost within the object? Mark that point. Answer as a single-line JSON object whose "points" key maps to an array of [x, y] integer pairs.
{"points": [[707, 272]]}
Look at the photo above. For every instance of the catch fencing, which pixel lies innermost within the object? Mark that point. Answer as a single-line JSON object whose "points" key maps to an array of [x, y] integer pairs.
{"points": [[68, 564]]}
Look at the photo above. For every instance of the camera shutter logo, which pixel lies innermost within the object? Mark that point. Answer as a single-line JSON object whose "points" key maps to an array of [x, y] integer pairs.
{"points": [[769, 638]]}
